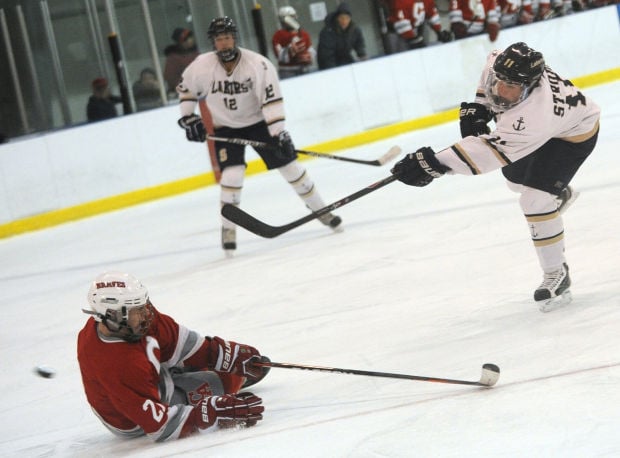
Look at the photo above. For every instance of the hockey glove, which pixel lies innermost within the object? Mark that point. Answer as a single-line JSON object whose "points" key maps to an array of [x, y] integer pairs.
{"points": [[194, 128], [234, 358], [286, 148], [459, 29], [227, 411], [419, 168], [493, 30], [444, 36], [473, 119]]}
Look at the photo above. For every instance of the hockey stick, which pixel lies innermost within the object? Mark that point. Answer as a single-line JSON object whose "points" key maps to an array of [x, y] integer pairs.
{"points": [[247, 221], [387, 157], [207, 120], [489, 377]]}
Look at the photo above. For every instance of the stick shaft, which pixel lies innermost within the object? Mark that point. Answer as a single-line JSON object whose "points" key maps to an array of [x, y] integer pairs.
{"points": [[370, 373], [257, 144], [247, 221]]}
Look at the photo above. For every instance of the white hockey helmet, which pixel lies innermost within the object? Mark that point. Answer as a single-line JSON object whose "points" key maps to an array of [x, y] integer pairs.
{"points": [[112, 295], [288, 18]]}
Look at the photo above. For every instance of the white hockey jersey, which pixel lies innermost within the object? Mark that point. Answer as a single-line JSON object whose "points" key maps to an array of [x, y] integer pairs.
{"points": [[248, 95], [554, 109]]}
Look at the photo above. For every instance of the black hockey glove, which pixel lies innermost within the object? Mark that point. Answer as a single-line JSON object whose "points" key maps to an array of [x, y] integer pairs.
{"points": [[473, 119], [194, 128], [419, 168], [286, 148], [444, 36]]}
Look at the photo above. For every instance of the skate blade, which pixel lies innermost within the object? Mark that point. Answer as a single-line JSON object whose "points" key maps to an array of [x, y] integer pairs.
{"points": [[556, 302], [229, 254]]}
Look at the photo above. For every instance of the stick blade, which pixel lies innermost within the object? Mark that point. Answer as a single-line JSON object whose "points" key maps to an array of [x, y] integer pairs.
{"points": [[490, 374], [248, 222], [391, 154]]}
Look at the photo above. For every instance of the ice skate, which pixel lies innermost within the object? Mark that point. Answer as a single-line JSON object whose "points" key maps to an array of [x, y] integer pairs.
{"points": [[229, 241], [554, 291], [333, 221], [566, 199]]}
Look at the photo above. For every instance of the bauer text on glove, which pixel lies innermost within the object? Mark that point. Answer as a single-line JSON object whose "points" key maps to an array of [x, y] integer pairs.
{"points": [[227, 411], [419, 168], [233, 357], [473, 119]]}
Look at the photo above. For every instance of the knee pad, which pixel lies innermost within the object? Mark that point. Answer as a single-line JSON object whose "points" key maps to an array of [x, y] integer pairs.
{"points": [[231, 184], [297, 177], [536, 202], [515, 187]]}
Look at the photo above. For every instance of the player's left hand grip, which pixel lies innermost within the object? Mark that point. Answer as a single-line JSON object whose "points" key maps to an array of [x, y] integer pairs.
{"points": [[194, 128]]}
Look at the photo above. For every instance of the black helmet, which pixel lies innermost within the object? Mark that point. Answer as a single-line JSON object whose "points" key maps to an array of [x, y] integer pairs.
{"points": [[520, 63], [518, 68], [219, 26]]}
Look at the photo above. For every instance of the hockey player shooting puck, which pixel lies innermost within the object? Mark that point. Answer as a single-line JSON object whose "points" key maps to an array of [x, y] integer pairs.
{"points": [[45, 371]]}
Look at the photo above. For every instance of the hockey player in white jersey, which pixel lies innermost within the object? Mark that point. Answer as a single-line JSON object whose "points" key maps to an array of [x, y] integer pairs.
{"points": [[545, 128], [243, 94]]}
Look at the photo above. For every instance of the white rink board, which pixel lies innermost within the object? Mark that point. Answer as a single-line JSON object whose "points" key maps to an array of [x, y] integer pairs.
{"points": [[75, 166]]}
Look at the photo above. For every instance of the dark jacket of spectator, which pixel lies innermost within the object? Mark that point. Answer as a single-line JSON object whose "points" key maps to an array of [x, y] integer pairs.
{"points": [[337, 43], [101, 105], [178, 56]]}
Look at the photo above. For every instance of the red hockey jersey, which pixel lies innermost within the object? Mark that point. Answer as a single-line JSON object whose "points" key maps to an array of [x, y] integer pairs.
{"points": [[474, 14], [126, 383], [408, 18], [293, 50]]}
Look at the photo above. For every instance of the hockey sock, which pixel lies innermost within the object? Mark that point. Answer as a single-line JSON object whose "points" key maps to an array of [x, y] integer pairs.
{"points": [[231, 185], [546, 227], [299, 179]]}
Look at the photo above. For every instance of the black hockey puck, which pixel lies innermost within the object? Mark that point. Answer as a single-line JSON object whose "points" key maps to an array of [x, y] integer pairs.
{"points": [[45, 371]]}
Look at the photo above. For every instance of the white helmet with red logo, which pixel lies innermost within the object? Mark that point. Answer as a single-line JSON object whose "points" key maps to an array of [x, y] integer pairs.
{"points": [[112, 295], [288, 18]]}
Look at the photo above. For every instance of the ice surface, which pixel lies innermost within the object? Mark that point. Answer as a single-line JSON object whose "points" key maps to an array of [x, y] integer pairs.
{"points": [[434, 282]]}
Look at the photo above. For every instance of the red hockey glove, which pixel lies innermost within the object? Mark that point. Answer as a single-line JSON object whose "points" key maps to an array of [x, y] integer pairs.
{"points": [[297, 46], [526, 15], [419, 168], [243, 409], [233, 357], [493, 30]]}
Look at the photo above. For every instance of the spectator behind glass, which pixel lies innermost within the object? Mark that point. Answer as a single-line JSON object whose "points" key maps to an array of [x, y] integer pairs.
{"points": [[338, 38], [146, 90], [292, 45], [101, 103], [178, 56]]}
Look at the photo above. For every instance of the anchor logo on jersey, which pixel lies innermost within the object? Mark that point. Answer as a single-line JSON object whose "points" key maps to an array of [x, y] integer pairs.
{"points": [[520, 124]]}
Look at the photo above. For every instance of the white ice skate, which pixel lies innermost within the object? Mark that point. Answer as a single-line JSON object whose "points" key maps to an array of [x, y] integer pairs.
{"points": [[554, 291]]}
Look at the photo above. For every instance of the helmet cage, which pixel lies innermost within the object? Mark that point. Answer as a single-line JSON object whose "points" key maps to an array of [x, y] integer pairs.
{"points": [[220, 26], [112, 298], [288, 18], [117, 321], [499, 102]]}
